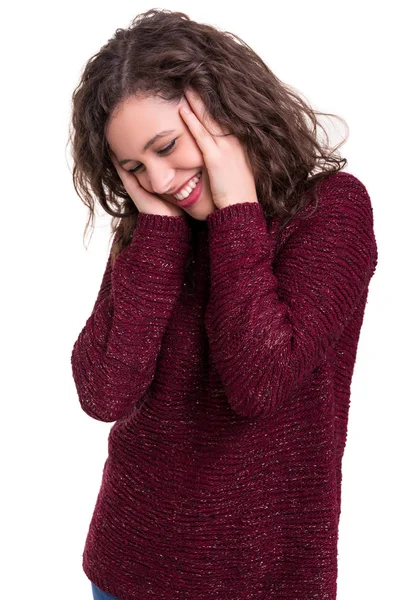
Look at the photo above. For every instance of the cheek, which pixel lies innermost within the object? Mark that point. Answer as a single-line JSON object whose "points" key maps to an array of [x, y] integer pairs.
{"points": [[187, 157], [196, 156]]}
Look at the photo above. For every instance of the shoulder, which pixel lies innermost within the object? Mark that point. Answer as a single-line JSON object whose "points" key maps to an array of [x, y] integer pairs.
{"points": [[343, 194], [343, 212], [344, 216], [342, 178], [342, 199]]}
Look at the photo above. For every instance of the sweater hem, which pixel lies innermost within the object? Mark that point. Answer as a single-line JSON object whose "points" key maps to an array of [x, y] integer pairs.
{"points": [[104, 585]]}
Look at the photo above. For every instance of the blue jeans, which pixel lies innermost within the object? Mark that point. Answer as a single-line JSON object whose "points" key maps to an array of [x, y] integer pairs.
{"points": [[98, 594]]}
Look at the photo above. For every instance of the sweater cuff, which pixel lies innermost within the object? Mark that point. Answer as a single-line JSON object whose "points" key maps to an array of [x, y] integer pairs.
{"points": [[241, 211], [147, 222]]}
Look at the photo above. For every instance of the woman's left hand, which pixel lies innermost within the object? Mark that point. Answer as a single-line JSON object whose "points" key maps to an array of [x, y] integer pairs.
{"points": [[226, 160]]}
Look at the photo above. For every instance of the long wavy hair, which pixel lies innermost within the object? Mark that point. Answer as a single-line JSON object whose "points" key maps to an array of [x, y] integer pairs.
{"points": [[164, 52]]}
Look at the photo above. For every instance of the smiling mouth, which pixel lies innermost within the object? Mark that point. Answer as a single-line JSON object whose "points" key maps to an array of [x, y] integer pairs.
{"points": [[171, 198]]}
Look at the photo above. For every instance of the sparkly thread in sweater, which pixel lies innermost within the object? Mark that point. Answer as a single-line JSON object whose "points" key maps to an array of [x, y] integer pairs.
{"points": [[223, 475]]}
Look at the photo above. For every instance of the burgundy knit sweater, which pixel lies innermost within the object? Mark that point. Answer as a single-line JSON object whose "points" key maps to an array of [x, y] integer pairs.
{"points": [[223, 475]]}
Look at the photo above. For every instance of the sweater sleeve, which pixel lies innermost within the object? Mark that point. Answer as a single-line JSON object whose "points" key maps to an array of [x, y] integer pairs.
{"points": [[114, 357], [270, 325]]}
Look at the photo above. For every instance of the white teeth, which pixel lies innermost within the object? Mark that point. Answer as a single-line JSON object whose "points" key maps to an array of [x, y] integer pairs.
{"points": [[188, 188]]}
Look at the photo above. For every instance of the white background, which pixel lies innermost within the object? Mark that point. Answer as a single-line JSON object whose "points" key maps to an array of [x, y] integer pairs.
{"points": [[342, 57]]}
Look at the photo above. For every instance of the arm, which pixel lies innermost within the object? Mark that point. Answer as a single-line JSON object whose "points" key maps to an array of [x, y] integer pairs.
{"points": [[114, 357], [268, 329]]}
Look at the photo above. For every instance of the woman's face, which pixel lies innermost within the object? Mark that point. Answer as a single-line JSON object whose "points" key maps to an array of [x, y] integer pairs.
{"points": [[136, 122]]}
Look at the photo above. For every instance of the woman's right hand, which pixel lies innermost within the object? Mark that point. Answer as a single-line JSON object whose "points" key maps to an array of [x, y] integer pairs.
{"points": [[144, 201]]}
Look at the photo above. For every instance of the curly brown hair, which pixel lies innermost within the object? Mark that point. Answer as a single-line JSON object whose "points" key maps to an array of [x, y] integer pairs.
{"points": [[163, 53]]}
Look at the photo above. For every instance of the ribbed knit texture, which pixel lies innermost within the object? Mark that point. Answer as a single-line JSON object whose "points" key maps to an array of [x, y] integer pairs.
{"points": [[223, 475]]}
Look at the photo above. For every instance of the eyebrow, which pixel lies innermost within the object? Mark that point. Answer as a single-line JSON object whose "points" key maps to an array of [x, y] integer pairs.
{"points": [[153, 140]]}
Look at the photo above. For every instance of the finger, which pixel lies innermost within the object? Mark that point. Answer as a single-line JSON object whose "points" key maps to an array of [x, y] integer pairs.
{"points": [[203, 139], [195, 102]]}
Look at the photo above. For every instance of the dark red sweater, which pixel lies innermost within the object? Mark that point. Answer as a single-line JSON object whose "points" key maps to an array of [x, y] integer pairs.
{"points": [[223, 475]]}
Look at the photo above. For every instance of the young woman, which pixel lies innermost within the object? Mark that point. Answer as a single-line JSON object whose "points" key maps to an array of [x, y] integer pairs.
{"points": [[224, 335]]}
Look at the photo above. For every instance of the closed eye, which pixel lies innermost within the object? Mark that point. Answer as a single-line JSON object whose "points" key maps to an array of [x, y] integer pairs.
{"points": [[162, 152]]}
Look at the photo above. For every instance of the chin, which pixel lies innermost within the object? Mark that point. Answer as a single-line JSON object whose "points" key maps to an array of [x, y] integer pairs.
{"points": [[198, 218], [200, 213]]}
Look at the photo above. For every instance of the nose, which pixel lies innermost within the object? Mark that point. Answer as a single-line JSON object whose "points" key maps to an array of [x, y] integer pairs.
{"points": [[161, 182]]}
